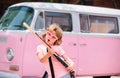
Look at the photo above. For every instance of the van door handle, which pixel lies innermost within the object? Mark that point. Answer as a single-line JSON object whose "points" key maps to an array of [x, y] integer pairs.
{"points": [[83, 44], [73, 44]]}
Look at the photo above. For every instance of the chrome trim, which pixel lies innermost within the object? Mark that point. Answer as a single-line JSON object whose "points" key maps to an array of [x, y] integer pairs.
{"points": [[10, 54], [8, 75]]}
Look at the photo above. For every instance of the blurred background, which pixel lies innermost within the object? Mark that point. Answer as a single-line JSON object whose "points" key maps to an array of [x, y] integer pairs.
{"points": [[102, 3]]}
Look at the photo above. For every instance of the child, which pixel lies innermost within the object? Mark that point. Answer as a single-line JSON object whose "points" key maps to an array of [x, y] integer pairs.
{"points": [[53, 37]]}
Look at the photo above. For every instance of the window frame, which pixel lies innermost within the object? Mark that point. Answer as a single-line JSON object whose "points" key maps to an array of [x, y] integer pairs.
{"points": [[60, 12], [116, 23]]}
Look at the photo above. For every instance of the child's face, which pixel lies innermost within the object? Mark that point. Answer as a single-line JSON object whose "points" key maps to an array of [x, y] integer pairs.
{"points": [[51, 37]]}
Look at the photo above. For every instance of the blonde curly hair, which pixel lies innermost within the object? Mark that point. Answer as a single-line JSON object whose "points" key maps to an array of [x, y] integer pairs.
{"points": [[58, 32]]}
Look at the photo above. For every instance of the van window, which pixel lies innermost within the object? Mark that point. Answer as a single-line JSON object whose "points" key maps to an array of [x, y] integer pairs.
{"points": [[63, 19], [98, 24], [14, 18], [40, 22]]}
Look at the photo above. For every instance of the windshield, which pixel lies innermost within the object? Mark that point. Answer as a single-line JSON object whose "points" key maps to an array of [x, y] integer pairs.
{"points": [[14, 18]]}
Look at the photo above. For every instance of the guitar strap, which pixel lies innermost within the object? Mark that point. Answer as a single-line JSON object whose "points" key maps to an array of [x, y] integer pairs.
{"points": [[51, 67]]}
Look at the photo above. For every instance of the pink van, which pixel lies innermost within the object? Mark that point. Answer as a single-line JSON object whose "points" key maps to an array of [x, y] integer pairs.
{"points": [[91, 39]]}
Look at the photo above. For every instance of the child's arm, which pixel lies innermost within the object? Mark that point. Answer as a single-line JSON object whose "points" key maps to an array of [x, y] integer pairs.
{"points": [[45, 57]]}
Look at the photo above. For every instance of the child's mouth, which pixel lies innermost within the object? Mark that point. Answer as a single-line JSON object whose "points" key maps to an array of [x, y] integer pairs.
{"points": [[48, 40]]}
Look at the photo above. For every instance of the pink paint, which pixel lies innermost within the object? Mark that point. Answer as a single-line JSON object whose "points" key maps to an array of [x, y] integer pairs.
{"points": [[94, 54]]}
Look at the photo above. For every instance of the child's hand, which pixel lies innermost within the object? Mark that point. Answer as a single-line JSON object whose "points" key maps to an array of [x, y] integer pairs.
{"points": [[71, 67], [51, 51]]}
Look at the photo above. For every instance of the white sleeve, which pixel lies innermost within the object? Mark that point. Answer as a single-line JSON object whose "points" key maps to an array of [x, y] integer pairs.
{"points": [[40, 51]]}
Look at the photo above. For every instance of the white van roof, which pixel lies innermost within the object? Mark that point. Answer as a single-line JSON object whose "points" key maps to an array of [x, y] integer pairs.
{"points": [[70, 7]]}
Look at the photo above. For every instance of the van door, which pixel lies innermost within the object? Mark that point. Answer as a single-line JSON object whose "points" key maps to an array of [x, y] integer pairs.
{"points": [[65, 21], [69, 41], [99, 41]]}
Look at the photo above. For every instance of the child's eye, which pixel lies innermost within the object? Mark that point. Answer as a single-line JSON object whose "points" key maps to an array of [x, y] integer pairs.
{"points": [[48, 33], [52, 36]]}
